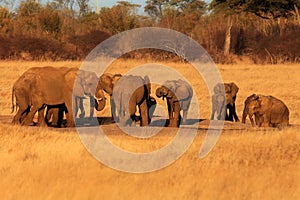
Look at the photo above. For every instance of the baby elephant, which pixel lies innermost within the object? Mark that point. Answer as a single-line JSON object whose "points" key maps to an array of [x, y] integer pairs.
{"points": [[178, 94], [267, 110]]}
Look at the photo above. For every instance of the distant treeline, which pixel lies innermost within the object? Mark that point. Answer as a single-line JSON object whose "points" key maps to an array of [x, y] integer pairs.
{"points": [[262, 31]]}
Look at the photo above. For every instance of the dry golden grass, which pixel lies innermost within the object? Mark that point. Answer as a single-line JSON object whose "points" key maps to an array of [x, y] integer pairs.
{"points": [[46, 163]]}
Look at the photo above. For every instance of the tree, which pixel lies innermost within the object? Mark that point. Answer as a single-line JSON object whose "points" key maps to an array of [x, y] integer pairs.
{"points": [[120, 17], [50, 21], [83, 6], [155, 7], [27, 15], [181, 15], [268, 9], [6, 22]]}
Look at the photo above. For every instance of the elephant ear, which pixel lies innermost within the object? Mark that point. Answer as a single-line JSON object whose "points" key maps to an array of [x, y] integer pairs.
{"points": [[219, 88], [115, 78], [182, 92], [234, 89], [106, 83], [74, 82]]}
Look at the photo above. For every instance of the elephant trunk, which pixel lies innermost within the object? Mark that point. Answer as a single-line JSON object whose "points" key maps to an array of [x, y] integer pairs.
{"points": [[245, 113], [12, 101], [160, 92], [99, 103]]}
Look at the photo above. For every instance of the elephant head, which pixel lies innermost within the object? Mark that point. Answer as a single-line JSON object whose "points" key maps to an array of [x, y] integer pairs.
{"points": [[107, 82], [231, 89], [164, 92], [179, 94], [219, 88], [251, 107], [87, 83], [99, 98]]}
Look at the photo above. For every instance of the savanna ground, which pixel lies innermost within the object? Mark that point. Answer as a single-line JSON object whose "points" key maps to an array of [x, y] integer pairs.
{"points": [[47, 163]]}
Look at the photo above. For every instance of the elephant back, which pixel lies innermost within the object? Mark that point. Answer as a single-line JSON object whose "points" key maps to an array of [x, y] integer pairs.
{"points": [[279, 111]]}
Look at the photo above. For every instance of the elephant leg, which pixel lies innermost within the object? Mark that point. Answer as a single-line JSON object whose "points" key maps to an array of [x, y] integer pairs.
{"points": [[175, 120], [212, 115], [132, 111], [222, 112], [236, 118], [170, 112], [24, 115], [20, 115], [144, 113], [60, 115], [184, 115], [80, 106], [55, 116], [151, 104], [41, 117], [230, 115], [69, 113], [213, 107], [49, 114], [113, 109], [251, 119], [28, 120], [92, 106]]}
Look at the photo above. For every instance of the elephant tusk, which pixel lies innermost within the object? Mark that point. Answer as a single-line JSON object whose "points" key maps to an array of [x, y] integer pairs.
{"points": [[98, 99]]}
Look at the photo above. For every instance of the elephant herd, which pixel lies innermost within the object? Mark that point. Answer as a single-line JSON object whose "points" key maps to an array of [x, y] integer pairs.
{"points": [[268, 111], [61, 91]]}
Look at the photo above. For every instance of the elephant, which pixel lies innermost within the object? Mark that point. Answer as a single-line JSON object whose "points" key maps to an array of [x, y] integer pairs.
{"points": [[129, 92], [223, 99], [267, 110], [218, 106], [178, 94], [107, 82], [41, 86]]}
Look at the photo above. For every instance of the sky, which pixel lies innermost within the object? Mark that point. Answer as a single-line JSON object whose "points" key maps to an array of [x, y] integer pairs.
{"points": [[109, 3]]}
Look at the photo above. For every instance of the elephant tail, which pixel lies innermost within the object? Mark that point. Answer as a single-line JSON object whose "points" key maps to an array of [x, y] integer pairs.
{"points": [[13, 105], [120, 106]]}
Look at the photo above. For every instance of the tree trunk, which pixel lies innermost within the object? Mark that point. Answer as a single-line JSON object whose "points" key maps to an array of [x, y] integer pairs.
{"points": [[297, 13], [228, 36]]}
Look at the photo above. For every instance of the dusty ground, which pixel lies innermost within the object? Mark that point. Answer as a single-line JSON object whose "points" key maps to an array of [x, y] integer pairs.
{"points": [[246, 163]]}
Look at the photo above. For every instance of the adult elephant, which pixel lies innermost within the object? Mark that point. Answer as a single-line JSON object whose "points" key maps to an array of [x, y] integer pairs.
{"points": [[178, 94], [267, 110], [129, 92], [53, 86], [107, 82]]}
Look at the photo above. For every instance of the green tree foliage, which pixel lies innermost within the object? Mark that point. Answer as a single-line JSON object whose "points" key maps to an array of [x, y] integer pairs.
{"points": [[27, 16], [181, 15], [50, 21], [266, 9], [119, 18]]}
